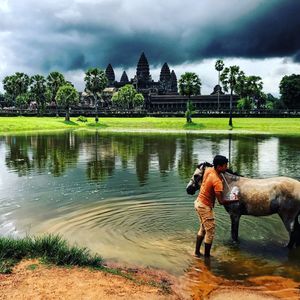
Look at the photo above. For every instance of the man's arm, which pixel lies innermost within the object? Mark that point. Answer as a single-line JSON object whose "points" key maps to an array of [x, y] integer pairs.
{"points": [[219, 196]]}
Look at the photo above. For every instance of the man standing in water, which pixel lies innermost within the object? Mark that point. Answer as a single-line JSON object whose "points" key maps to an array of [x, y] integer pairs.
{"points": [[211, 188]]}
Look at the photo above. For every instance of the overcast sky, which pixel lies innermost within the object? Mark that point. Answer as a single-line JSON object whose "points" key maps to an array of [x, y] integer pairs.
{"points": [[261, 36]]}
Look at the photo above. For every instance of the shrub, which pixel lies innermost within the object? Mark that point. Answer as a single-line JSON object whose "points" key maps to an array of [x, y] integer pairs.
{"points": [[82, 119]]}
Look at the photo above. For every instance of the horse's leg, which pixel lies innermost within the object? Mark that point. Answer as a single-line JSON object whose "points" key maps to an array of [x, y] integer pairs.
{"points": [[292, 240], [235, 220], [297, 231], [289, 224]]}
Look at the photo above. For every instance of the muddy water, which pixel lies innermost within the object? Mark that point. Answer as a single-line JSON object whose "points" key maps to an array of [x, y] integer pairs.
{"points": [[123, 196]]}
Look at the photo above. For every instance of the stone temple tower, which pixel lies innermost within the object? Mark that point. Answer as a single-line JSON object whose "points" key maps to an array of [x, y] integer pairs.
{"points": [[143, 71], [174, 87], [124, 78], [165, 75], [165, 79], [110, 74]]}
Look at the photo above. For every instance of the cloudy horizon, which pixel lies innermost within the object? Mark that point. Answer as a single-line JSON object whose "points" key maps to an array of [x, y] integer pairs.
{"points": [[71, 35]]}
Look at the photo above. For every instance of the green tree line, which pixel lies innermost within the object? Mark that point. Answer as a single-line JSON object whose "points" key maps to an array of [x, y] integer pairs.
{"points": [[38, 91], [249, 89]]}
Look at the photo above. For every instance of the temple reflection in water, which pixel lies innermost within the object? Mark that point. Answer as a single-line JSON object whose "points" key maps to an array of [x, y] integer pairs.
{"points": [[102, 154]]}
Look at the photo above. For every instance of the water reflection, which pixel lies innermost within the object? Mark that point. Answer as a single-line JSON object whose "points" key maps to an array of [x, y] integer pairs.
{"points": [[123, 195], [56, 153], [51, 153]]}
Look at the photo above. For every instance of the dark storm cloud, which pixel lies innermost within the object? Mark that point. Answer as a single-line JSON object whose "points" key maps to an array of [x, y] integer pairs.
{"points": [[74, 35], [270, 32], [267, 30]]}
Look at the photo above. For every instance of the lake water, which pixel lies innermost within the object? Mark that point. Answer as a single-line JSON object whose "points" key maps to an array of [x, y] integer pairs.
{"points": [[123, 196]]}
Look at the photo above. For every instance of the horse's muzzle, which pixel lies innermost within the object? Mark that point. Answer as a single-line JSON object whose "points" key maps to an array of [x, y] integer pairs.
{"points": [[191, 188]]}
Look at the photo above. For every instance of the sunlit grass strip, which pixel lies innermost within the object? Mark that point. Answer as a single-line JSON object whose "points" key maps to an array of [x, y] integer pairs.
{"points": [[50, 248], [263, 125]]}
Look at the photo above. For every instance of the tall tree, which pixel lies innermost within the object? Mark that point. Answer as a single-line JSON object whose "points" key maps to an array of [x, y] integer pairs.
{"points": [[38, 92], [189, 111], [138, 100], [15, 85], [67, 96], [95, 82], [219, 66], [229, 78], [189, 85], [250, 88], [54, 81], [22, 101], [127, 97], [290, 91]]}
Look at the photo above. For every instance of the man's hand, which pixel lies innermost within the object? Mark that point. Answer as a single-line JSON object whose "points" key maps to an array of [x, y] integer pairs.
{"points": [[219, 196]]}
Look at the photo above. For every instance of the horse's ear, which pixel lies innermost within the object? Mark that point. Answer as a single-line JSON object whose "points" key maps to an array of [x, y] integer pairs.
{"points": [[200, 166], [204, 165], [207, 164]]}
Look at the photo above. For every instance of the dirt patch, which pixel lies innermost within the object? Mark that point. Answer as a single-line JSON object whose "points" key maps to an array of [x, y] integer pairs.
{"points": [[32, 280]]}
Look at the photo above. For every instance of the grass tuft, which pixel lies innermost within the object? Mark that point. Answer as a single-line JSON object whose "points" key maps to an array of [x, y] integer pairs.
{"points": [[50, 248]]}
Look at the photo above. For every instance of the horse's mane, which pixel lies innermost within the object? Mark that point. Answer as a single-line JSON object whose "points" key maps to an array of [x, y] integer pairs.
{"points": [[233, 173], [207, 164]]}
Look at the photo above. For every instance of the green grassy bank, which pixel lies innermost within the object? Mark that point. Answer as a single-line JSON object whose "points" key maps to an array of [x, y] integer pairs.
{"points": [[53, 249], [50, 248], [242, 125]]}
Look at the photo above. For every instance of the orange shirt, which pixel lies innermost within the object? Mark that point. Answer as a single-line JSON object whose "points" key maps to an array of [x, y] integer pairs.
{"points": [[211, 184]]}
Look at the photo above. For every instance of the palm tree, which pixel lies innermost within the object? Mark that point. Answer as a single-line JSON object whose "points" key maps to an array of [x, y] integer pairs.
{"points": [[229, 78], [54, 81], [16, 85], [95, 82], [219, 66], [189, 85], [38, 90], [189, 111]]}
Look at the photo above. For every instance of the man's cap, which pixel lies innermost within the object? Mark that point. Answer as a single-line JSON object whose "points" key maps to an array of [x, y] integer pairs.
{"points": [[220, 160]]}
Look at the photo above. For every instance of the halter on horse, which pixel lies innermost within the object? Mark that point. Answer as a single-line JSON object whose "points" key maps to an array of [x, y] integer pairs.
{"points": [[258, 197]]}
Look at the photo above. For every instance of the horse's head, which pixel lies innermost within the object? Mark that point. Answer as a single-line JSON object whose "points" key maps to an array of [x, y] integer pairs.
{"points": [[196, 180]]}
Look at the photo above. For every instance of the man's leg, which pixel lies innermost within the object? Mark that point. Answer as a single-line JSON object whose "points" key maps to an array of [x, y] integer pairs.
{"points": [[200, 237], [199, 241], [207, 249], [209, 226]]}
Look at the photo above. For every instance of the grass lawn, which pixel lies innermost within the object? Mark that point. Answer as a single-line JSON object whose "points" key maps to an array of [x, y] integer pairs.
{"points": [[242, 125]]}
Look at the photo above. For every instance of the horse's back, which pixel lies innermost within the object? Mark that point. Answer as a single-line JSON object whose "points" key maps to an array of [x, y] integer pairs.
{"points": [[269, 195], [270, 183]]}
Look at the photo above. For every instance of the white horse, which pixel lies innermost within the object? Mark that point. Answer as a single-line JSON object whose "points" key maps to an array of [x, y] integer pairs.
{"points": [[259, 197]]}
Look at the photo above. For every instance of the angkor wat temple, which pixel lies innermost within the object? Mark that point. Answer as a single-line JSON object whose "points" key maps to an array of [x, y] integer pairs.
{"points": [[162, 95], [143, 82]]}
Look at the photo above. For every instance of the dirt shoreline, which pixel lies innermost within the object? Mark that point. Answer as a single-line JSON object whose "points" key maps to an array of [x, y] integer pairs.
{"points": [[33, 280]]}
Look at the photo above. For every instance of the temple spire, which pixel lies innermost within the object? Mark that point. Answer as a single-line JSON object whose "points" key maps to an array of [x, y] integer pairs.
{"points": [[124, 78], [143, 70], [174, 87], [165, 75], [110, 74]]}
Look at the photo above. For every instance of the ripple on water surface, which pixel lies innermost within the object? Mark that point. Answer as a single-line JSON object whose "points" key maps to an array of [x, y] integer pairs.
{"points": [[128, 229]]}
